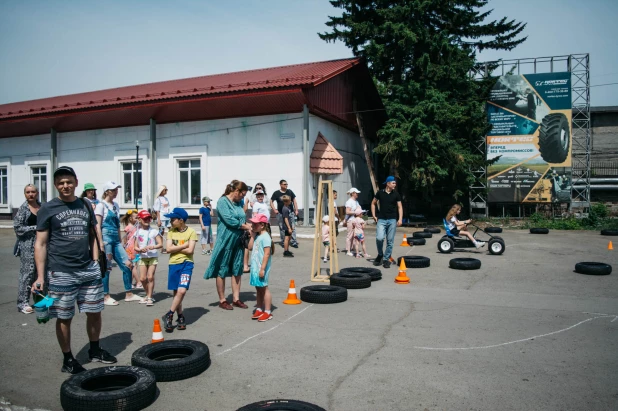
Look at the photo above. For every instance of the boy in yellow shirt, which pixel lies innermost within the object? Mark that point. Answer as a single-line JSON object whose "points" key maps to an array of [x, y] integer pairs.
{"points": [[181, 241]]}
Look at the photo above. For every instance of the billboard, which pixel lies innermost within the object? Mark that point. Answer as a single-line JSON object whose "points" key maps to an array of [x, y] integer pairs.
{"points": [[530, 139]]}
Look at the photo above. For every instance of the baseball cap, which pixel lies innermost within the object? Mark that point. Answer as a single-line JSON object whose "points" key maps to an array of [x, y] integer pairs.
{"points": [[89, 186], [206, 198], [63, 170], [353, 190], [144, 214], [178, 213], [325, 218], [259, 192], [110, 185], [389, 179], [259, 218]]}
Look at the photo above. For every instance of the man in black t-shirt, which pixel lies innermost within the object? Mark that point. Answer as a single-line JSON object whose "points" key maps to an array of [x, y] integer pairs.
{"points": [[388, 219], [276, 198], [64, 247]]}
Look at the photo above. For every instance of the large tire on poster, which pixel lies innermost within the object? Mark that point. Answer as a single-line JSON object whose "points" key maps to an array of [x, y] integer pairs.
{"points": [[414, 261], [109, 388], [281, 405], [593, 268], [323, 294], [374, 273], [554, 138], [351, 281], [173, 360]]}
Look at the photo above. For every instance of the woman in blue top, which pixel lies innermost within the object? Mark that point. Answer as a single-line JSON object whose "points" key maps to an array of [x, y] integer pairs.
{"points": [[226, 260]]}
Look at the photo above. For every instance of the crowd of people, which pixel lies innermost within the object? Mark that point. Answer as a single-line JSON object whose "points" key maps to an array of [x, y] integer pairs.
{"points": [[59, 243]]}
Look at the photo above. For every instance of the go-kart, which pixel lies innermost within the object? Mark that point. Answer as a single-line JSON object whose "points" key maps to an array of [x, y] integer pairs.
{"points": [[449, 242]]}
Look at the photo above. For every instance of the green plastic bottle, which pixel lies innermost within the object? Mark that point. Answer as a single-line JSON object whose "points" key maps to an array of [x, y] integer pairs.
{"points": [[42, 313]]}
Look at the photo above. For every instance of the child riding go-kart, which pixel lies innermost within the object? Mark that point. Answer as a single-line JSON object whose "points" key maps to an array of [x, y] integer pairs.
{"points": [[449, 242]]}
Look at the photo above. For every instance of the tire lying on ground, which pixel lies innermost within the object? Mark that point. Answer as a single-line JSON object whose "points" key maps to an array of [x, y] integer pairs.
{"points": [[421, 234], [554, 138], [190, 358], [593, 268], [416, 241], [539, 231], [465, 263], [351, 281], [109, 388], [433, 230], [281, 405], [609, 232], [414, 261], [374, 273], [493, 230], [323, 294]]}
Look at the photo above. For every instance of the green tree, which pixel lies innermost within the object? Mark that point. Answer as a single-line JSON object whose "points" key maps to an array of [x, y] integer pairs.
{"points": [[421, 53]]}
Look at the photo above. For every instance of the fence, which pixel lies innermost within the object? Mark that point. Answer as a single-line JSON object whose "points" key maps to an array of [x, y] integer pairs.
{"points": [[603, 168]]}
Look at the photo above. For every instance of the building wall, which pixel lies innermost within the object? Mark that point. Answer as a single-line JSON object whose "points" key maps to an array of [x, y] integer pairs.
{"points": [[254, 149]]}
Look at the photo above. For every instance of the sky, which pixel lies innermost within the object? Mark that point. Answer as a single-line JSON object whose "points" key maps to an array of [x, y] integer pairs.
{"points": [[57, 47]]}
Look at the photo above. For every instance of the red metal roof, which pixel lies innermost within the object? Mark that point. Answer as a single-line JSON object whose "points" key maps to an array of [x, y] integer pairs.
{"points": [[295, 76]]}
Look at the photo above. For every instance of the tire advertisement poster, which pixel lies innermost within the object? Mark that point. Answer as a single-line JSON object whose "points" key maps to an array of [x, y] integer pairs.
{"points": [[530, 140]]}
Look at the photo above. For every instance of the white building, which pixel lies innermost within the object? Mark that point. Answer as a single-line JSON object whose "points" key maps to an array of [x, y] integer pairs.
{"points": [[195, 135]]}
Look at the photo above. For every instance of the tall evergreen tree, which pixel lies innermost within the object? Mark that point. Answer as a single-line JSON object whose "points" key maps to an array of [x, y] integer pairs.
{"points": [[421, 53]]}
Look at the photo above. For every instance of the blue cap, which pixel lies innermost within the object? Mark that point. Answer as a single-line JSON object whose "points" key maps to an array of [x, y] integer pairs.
{"points": [[178, 213], [389, 179]]}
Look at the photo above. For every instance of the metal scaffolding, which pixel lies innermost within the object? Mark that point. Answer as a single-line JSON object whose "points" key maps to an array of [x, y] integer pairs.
{"points": [[581, 142]]}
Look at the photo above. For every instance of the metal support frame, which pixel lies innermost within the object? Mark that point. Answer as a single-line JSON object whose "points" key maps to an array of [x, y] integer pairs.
{"points": [[581, 142], [53, 157], [306, 173], [153, 165]]}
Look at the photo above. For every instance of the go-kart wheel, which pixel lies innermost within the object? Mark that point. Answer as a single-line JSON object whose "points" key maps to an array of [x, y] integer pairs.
{"points": [[496, 246], [446, 245]]}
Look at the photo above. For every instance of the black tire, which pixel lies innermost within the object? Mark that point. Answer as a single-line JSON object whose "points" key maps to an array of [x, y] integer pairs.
{"points": [[465, 263], [281, 405], [593, 268], [351, 281], [374, 273], [109, 388], [432, 230], [539, 231], [414, 261], [609, 232], [421, 234], [492, 230], [446, 245], [554, 138], [323, 294], [192, 358], [416, 241], [496, 246]]}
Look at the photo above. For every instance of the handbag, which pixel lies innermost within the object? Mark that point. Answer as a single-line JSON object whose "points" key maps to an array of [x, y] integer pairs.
{"points": [[243, 240], [92, 232]]}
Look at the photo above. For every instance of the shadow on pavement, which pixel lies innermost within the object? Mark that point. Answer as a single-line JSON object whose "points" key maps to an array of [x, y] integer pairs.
{"points": [[194, 313], [114, 344]]}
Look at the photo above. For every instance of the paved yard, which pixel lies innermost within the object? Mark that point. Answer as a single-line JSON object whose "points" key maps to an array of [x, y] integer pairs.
{"points": [[523, 332]]}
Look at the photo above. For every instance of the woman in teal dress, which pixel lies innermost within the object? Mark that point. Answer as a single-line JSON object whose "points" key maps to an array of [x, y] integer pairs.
{"points": [[226, 260]]}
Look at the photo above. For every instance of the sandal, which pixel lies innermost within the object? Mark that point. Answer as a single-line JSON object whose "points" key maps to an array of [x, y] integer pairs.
{"points": [[134, 297], [143, 301], [150, 302], [246, 270], [225, 305], [27, 310], [110, 301]]}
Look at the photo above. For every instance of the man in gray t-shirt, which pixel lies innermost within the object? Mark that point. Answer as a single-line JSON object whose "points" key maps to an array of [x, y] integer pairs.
{"points": [[64, 247]]}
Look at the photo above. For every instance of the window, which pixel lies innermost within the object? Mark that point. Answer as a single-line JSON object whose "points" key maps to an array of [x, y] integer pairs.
{"points": [[189, 173], [131, 178], [39, 179], [4, 186]]}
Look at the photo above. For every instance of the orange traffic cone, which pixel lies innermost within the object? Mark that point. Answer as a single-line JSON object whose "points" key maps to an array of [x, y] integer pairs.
{"points": [[610, 246], [292, 298], [404, 242], [402, 278], [157, 335]]}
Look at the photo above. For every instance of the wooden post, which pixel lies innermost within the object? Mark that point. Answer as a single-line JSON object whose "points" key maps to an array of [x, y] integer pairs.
{"points": [[317, 241], [372, 176]]}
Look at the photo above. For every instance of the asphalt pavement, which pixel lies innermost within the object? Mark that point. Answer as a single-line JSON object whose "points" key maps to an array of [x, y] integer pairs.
{"points": [[522, 332]]}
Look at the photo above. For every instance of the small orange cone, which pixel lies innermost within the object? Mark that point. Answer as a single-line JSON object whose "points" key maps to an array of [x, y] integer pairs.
{"points": [[292, 298], [610, 246], [157, 335], [404, 242], [402, 278]]}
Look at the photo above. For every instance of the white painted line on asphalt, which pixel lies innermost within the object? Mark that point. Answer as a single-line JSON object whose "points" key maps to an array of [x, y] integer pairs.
{"points": [[263, 332], [511, 342]]}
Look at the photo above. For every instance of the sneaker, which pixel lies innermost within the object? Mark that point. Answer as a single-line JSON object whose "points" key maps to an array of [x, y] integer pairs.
{"points": [[204, 252], [386, 264], [325, 260], [209, 252], [349, 254], [167, 322], [295, 245], [378, 260], [288, 254], [101, 356], [265, 317], [72, 367], [257, 314], [182, 323]]}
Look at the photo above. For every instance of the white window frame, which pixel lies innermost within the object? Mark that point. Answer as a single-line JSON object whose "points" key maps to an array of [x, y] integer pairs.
{"points": [[128, 156], [178, 182], [122, 201], [6, 207], [30, 164], [177, 154]]}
